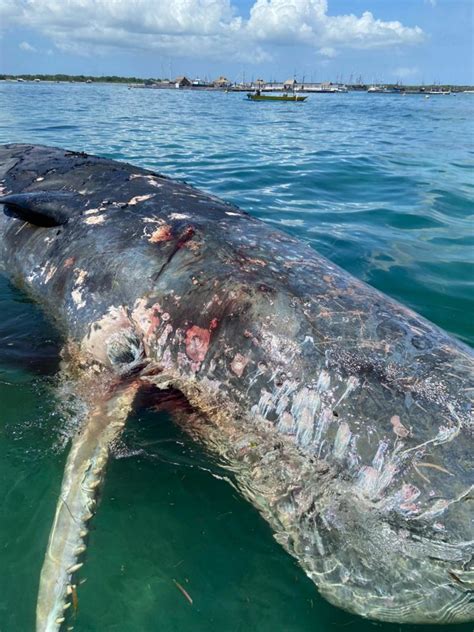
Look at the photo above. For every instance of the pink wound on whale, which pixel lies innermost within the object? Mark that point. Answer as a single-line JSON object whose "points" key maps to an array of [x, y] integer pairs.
{"points": [[197, 343], [162, 233], [154, 321]]}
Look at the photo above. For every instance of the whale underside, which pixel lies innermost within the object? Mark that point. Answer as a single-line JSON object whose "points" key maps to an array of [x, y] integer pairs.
{"points": [[345, 417]]}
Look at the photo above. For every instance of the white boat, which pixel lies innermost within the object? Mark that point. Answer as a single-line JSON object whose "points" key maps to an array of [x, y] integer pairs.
{"points": [[381, 90]]}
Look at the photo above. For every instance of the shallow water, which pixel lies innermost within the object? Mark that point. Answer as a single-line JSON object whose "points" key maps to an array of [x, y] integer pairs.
{"points": [[380, 184]]}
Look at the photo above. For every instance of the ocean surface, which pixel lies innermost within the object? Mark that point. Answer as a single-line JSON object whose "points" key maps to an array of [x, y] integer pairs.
{"points": [[381, 184]]}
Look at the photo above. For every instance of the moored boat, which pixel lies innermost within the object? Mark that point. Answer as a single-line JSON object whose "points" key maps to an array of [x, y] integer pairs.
{"points": [[273, 97], [440, 92]]}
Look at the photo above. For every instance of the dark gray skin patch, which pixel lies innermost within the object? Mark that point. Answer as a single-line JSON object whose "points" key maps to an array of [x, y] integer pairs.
{"points": [[352, 428]]}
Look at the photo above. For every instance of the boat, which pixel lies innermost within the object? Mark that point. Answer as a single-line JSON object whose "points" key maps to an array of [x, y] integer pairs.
{"points": [[440, 92], [273, 97], [383, 90]]}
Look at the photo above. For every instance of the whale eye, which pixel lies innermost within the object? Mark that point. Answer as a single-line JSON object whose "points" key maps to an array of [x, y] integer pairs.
{"points": [[125, 351]]}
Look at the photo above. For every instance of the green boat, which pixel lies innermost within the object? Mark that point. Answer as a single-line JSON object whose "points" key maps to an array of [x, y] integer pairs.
{"points": [[272, 97]]}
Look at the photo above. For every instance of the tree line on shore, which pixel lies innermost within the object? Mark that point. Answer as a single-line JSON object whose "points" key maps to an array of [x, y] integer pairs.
{"points": [[78, 78], [149, 81]]}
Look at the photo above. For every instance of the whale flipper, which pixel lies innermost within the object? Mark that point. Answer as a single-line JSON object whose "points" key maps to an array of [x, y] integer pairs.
{"points": [[84, 471], [41, 208]]}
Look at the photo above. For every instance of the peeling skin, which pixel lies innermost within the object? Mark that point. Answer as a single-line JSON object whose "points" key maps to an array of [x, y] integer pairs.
{"points": [[77, 292], [97, 219], [344, 417], [151, 180], [179, 216], [146, 319], [51, 272], [238, 364], [139, 198]]}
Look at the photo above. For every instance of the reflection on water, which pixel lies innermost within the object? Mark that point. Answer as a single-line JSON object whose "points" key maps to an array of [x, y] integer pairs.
{"points": [[379, 184]]}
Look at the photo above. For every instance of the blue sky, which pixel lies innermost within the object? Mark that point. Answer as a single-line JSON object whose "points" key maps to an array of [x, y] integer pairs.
{"points": [[380, 40]]}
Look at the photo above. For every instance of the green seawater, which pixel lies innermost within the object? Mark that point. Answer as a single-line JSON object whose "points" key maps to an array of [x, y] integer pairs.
{"points": [[380, 184]]}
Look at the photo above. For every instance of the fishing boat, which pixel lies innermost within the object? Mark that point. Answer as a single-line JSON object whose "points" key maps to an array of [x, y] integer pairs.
{"points": [[272, 97]]}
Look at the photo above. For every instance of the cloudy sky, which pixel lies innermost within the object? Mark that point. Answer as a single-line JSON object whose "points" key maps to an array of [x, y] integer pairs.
{"points": [[380, 40]]}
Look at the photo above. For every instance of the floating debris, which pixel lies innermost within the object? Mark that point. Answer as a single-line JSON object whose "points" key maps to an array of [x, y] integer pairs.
{"points": [[183, 591]]}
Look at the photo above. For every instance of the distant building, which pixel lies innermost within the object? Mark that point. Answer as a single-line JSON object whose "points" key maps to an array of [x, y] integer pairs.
{"points": [[290, 84], [182, 82], [222, 82]]}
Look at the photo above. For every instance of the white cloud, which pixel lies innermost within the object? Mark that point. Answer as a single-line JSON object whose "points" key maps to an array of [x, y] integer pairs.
{"points": [[27, 47], [432, 2], [307, 21], [208, 28]]}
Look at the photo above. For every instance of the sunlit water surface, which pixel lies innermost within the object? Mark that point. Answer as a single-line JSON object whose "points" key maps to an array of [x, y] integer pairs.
{"points": [[380, 184]]}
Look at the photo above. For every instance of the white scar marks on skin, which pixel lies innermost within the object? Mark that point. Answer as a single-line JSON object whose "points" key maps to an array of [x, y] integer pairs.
{"points": [[95, 219], [140, 198], [76, 293], [153, 220], [150, 179], [179, 216], [50, 271]]}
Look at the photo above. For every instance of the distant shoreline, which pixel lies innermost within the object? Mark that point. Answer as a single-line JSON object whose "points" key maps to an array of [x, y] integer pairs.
{"points": [[153, 83]]}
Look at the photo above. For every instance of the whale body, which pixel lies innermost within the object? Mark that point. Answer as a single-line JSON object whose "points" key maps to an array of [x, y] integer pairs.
{"points": [[345, 417]]}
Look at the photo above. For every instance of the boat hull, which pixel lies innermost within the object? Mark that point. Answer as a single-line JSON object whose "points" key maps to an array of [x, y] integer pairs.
{"points": [[261, 97]]}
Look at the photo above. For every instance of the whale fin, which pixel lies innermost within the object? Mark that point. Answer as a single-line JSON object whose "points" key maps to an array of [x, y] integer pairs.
{"points": [[41, 208], [84, 471]]}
